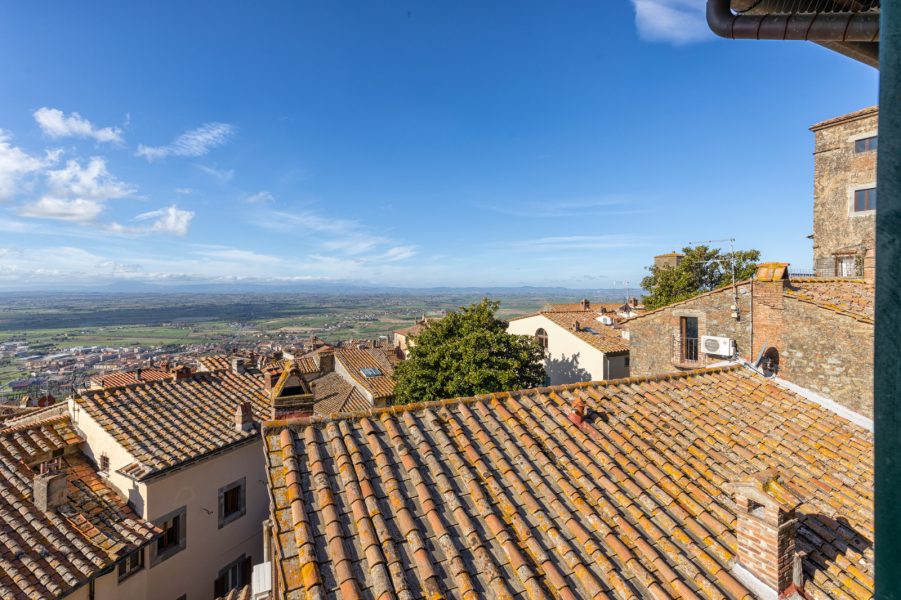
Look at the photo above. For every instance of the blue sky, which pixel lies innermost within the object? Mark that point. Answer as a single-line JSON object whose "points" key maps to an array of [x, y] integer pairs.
{"points": [[417, 144]]}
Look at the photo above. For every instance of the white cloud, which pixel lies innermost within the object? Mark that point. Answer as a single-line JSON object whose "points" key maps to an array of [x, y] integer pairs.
{"points": [[168, 220], [15, 164], [236, 254], [674, 21], [184, 191], [93, 181], [48, 207], [193, 143], [263, 197], [399, 253], [581, 242], [223, 175], [56, 124]]}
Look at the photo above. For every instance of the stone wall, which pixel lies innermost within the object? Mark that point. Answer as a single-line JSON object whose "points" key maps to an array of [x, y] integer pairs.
{"points": [[838, 169], [829, 353], [653, 338]]}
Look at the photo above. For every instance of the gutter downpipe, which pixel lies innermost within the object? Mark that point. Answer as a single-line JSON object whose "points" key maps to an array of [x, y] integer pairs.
{"points": [[814, 27], [887, 359]]}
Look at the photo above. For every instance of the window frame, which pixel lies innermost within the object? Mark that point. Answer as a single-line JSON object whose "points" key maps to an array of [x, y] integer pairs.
{"points": [[870, 144], [103, 464], [156, 555], [129, 571], [241, 485], [869, 187], [243, 566], [542, 338]]}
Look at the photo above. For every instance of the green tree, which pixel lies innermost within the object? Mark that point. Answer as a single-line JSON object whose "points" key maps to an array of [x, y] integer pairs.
{"points": [[702, 269], [468, 352]]}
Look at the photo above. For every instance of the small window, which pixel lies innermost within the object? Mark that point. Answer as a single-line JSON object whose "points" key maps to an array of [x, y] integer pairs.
{"points": [[131, 564], [104, 463], [541, 338], [865, 144], [865, 199], [173, 538], [845, 266], [232, 502], [236, 575]]}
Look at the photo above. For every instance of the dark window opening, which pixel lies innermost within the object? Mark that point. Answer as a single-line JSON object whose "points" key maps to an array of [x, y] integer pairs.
{"points": [[865, 200], [865, 144], [232, 502], [235, 575], [170, 537], [131, 564], [688, 329]]}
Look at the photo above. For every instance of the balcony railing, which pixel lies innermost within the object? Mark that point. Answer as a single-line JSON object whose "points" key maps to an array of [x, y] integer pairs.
{"points": [[687, 353]]}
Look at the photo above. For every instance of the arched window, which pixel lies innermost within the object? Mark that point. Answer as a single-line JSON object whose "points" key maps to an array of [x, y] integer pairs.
{"points": [[541, 337]]}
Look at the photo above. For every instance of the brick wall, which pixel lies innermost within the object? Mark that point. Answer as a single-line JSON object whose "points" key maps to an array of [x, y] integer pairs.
{"points": [[837, 170], [651, 337]]}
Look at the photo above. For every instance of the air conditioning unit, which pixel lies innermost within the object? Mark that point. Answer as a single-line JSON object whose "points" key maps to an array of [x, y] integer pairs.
{"points": [[719, 346], [605, 320]]}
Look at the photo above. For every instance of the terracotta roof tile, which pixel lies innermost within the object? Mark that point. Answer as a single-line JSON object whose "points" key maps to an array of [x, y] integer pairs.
{"points": [[47, 554], [603, 337], [503, 495], [853, 297], [124, 378], [237, 594], [355, 360], [165, 423], [334, 395]]}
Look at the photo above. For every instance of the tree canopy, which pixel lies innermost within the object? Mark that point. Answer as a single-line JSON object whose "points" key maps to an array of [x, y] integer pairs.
{"points": [[702, 269], [468, 352]]}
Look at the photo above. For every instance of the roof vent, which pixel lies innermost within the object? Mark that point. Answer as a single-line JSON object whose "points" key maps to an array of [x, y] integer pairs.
{"points": [[49, 490]]}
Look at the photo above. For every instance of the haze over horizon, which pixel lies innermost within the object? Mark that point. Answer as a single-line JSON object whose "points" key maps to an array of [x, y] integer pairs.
{"points": [[400, 144]]}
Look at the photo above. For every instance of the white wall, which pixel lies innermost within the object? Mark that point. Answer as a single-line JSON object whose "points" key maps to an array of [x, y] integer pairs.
{"points": [[208, 548], [108, 587], [570, 358]]}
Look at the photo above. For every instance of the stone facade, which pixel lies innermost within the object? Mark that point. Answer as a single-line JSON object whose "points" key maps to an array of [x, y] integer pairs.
{"points": [[829, 353], [840, 232], [655, 338]]}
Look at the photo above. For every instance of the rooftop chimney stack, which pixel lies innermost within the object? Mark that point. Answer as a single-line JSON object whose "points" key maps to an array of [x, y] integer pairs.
{"points": [[766, 525], [49, 490], [138, 374], [244, 417], [325, 361], [237, 363], [585, 304]]}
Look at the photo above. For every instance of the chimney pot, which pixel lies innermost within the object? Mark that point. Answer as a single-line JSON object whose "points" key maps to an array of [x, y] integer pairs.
{"points": [[244, 417], [577, 414], [49, 490], [766, 529]]}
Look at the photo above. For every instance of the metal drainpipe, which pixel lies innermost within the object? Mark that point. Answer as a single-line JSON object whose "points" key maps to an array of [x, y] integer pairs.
{"points": [[814, 27], [887, 359]]}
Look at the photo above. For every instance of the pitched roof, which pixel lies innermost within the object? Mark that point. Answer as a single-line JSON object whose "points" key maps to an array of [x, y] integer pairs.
{"points": [[852, 297], [603, 337], [355, 360], [166, 423], [123, 378], [502, 493], [48, 554], [334, 395]]}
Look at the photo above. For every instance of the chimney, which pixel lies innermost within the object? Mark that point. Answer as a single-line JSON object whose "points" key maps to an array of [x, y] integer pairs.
{"points": [[138, 374], [243, 417], [165, 365], [325, 361], [49, 490], [237, 363], [577, 414], [577, 326], [765, 529], [270, 377], [181, 372], [585, 304]]}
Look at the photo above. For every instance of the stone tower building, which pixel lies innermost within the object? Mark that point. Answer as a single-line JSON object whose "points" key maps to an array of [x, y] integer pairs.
{"points": [[844, 197]]}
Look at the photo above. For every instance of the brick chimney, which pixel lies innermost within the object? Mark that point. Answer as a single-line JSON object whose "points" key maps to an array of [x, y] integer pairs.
{"points": [[237, 364], [766, 524], [181, 372], [244, 417], [325, 361], [769, 306], [49, 490]]}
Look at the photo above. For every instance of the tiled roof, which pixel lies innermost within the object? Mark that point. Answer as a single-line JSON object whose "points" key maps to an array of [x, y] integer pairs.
{"points": [[215, 362], [501, 494], [123, 378], [859, 114], [166, 423], [306, 364], [353, 359], [47, 554], [852, 297], [603, 337], [333, 395]]}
